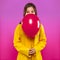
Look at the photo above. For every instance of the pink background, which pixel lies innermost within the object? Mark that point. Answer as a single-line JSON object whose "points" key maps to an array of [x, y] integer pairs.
{"points": [[11, 13]]}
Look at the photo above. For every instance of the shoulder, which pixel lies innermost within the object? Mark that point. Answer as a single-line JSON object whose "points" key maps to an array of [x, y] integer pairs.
{"points": [[41, 26], [18, 27]]}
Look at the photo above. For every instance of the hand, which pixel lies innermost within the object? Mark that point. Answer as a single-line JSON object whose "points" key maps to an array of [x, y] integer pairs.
{"points": [[32, 51]]}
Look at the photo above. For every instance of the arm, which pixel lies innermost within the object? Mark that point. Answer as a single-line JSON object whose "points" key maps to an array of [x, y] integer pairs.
{"points": [[42, 40], [17, 42]]}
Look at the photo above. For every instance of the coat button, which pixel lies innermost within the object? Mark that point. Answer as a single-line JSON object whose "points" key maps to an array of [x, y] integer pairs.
{"points": [[19, 39]]}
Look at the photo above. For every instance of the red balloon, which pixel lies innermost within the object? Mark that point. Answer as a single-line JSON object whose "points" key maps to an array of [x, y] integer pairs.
{"points": [[30, 25]]}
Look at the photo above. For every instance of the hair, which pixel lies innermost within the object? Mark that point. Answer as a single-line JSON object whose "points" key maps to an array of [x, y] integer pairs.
{"points": [[29, 5]]}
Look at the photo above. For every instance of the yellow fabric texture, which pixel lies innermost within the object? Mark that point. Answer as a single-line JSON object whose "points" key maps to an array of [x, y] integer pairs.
{"points": [[22, 43]]}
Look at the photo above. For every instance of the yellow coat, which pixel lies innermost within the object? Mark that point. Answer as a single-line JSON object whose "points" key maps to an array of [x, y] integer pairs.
{"points": [[22, 43]]}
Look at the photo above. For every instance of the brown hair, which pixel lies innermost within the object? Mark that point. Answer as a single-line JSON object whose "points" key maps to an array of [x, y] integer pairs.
{"points": [[29, 5]]}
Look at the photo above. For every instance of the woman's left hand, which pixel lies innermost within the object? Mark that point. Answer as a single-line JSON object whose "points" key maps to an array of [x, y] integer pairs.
{"points": [[32, 51]]}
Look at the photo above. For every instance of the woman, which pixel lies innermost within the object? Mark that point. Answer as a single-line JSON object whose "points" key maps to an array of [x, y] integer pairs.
{"points": [[29, 49]]}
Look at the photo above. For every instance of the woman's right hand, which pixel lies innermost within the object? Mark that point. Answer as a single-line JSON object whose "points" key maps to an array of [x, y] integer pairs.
{"points": [[32, 51]]}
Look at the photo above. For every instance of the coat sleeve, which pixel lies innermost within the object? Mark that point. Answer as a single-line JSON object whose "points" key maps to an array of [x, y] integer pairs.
{"points": [[17, 42], [42, 40]]}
